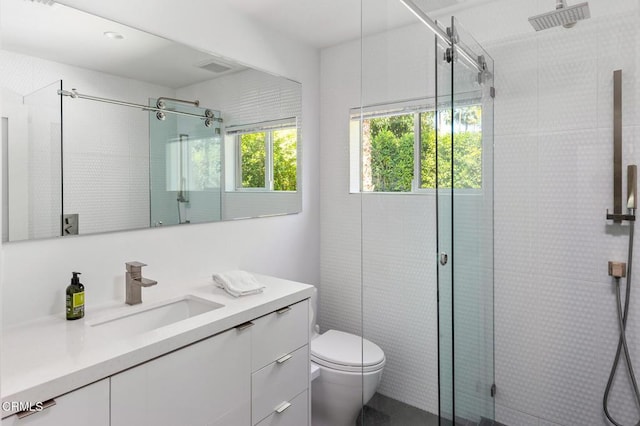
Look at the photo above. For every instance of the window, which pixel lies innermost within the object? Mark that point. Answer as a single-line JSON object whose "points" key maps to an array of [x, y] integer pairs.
{"points": [[265, 156], [397, 149]]}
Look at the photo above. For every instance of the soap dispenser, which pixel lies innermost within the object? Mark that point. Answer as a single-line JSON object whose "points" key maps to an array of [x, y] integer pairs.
{"points": [[75, 298]]}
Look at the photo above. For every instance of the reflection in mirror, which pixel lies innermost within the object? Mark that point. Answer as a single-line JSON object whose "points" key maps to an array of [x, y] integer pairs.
{"points": [[185, 167], [31, 144], [97, 151]]}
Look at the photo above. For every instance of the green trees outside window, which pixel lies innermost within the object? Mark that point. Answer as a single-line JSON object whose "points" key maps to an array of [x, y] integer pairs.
{"points": [[285, 159], [389, 145], [388, 163], [265, 154], [253, 157]]}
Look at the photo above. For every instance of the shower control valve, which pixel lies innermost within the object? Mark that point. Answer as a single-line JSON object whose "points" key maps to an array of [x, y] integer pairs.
{"points": [[617, 269]]}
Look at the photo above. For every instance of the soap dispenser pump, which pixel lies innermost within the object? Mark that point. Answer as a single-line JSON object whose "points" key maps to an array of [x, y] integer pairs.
{"points": [[75, 298]]}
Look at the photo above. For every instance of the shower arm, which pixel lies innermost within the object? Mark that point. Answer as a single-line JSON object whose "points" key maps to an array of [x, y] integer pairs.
{"points": [[617, 216]]}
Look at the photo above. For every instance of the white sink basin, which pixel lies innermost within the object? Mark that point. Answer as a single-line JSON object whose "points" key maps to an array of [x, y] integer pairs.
{"points": [[139, 319]]}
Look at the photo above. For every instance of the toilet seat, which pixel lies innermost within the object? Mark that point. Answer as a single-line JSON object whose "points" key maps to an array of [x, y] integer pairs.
{"points": [[342, 351]]}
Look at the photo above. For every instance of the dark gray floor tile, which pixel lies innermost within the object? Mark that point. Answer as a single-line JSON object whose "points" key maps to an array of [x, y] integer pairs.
{"points": [[385, 411]]}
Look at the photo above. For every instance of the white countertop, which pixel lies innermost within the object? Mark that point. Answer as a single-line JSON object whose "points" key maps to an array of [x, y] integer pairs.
{"points": [[51, 356]]}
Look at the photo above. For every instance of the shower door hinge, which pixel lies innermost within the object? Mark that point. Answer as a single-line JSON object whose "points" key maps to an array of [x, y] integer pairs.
{"points": [[492, 92], [493, 390], [449, 55]]}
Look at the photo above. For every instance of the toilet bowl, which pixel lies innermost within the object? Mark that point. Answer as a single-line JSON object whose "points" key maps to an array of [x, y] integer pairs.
{"points": [[350, 372]]}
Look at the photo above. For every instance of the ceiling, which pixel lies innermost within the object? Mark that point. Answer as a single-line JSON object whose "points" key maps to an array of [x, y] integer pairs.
{"points": [[324, 23], [33, 27], [67, 35]]}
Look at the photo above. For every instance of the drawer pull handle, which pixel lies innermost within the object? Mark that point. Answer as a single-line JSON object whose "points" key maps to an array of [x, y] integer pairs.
{"points": [[244, 326], [283, 310], [284, 359], [34, 409], [283, 407]]}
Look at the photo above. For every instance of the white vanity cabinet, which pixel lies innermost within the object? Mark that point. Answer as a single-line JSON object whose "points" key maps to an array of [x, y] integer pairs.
{"points": [[245, 364], [256, 373], [205, 383], [280, 367], [85, 406]]}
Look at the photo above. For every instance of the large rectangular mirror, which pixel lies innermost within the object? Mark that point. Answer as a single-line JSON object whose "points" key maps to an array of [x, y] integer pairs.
{"points": [[108, 128]]}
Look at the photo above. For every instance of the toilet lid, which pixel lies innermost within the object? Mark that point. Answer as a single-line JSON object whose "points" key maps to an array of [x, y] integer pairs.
{"points": [[343, 351]]}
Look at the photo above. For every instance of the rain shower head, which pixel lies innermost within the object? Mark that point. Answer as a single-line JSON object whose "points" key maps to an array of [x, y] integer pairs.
{"points": [[564, 15]]}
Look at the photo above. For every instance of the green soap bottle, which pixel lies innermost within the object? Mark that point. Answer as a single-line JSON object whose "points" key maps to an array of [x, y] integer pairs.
{"points": [[75, 298]]}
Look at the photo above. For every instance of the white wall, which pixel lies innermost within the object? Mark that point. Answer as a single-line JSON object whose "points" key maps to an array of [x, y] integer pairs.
{"points": [[35, 274], [555, 318]]}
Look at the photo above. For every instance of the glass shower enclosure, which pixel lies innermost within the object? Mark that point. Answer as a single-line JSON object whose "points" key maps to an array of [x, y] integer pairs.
{"points": [[426, 185], [464, 198]]}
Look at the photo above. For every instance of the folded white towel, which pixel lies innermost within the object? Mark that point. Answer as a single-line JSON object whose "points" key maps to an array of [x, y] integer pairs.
{"points": [[238, 283]]}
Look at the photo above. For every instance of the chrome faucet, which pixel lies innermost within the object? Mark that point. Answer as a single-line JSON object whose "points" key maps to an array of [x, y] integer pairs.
{"points": [[135, 282]]}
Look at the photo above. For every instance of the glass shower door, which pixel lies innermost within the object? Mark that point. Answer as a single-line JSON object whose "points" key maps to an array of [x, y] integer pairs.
{"points": [[186, 157], [465, 229], [473, 229], [444, 231], [421, 161]]}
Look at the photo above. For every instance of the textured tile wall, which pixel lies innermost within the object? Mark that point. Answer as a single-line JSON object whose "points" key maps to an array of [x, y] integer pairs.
{"points": [[555, 308], [246, 97]]}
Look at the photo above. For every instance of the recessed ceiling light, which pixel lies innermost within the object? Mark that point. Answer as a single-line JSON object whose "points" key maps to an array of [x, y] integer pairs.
{"points": [[113, 35]]}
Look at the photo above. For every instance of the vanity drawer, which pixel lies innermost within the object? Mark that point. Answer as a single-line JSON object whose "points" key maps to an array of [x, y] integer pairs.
{"points": [[279, 382], [279, 333], [85, 406], [296, 414]]}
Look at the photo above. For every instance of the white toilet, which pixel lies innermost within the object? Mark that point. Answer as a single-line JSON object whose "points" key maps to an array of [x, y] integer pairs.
{"points": [[347, 379]]}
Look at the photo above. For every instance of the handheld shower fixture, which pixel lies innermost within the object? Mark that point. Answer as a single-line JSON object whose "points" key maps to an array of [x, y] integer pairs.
{"points": [[632, 190], [564, 15], [617, 269]]}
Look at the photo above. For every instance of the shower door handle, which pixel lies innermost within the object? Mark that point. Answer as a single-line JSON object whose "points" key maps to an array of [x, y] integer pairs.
{"points": [[444, 258]]}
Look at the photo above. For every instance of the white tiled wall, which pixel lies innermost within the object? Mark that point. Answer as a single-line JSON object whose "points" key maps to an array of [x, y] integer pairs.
{"points": [[555, 318], [246, 97], [554, 303], [384, 241]]}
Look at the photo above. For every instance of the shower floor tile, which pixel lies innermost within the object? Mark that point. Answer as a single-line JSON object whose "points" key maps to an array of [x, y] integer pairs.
{"points": [[385, 411]]}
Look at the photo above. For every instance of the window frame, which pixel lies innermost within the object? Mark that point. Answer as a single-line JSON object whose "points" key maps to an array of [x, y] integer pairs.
{"points": [[416, 108], [268, 128]]}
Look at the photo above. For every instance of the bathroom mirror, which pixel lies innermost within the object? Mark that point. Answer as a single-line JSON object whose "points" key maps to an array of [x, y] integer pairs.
{"points": [[101, 130]]}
